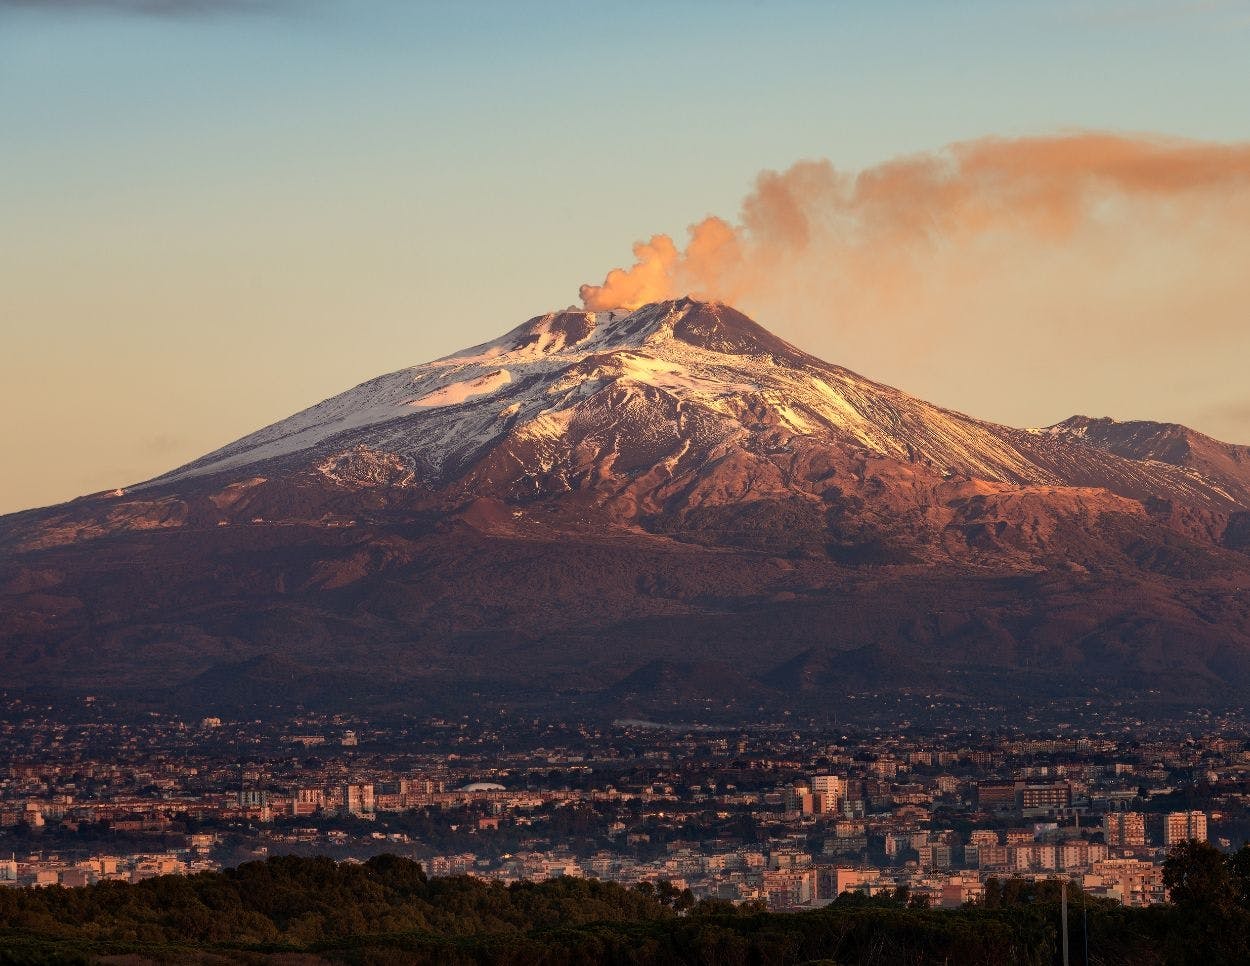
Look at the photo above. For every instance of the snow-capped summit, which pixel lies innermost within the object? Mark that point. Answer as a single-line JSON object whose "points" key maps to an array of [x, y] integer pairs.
{"points": [[681, 385], [438, 413]]}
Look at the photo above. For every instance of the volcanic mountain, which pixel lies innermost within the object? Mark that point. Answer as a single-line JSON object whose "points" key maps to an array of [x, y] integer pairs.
{"points": [[668, 510]]}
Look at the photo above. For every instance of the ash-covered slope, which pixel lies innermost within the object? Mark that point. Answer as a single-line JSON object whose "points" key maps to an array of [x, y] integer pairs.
{"points": [[541, 517], [1222, 465]]}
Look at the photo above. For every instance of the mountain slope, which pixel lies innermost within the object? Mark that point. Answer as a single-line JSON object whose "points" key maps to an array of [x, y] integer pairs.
{"points": [[594, 503], [684, 380], [1224, 464]]}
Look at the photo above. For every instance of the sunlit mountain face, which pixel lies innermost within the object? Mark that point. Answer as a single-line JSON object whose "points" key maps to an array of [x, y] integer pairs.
{"points": [[661, 509]]}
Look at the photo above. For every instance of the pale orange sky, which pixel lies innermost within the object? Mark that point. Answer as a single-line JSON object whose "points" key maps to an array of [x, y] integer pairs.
{"points": [[213, 216]]}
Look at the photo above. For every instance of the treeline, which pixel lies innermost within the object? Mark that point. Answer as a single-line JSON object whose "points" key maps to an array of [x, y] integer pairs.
{"points": [[304, 911]]}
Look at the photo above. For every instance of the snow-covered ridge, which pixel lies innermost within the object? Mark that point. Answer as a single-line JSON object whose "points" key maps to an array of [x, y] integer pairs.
{"points": [[458, 392], [528, 373], [654, 376]]}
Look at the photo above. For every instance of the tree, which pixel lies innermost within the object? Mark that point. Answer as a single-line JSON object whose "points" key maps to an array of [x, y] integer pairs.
{"points": [[1240, 864], [1197, 874], [1209, 927]]}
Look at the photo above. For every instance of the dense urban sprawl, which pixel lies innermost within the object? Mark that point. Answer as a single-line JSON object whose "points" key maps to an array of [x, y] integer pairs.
{"points": [[788, 814]]}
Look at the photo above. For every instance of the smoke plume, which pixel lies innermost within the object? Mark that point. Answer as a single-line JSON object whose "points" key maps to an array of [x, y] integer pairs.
{"points": [[882, 224], [1021, 280]]}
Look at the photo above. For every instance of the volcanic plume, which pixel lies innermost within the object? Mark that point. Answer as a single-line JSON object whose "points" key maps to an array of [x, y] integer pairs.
{"points": [[976, 273], [912, 208]]}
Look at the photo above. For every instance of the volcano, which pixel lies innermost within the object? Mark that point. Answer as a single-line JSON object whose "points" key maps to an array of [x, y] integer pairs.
{"points": [[670, 505]]}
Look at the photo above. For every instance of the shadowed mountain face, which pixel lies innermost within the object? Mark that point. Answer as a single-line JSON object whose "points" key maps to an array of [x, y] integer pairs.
{"points": [[670, 510]]}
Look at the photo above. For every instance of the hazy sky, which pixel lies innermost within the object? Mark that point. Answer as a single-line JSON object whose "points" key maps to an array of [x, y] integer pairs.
{"points": [[213, 214]]}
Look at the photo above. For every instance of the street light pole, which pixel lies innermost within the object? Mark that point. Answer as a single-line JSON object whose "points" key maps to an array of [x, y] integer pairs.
{"points": [[1085, 916], [1063, 916]]}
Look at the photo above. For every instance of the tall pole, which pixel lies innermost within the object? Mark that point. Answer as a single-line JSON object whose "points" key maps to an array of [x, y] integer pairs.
{"points": [[1063, 916], [1085, 914]]}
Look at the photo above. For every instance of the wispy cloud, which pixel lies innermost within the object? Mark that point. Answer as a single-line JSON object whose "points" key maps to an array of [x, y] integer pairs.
{"points": [[161, 444], [1234, 411], [146, 8]]}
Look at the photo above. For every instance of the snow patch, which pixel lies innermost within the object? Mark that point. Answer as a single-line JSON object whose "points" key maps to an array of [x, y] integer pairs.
{"points": [[458, 392]]}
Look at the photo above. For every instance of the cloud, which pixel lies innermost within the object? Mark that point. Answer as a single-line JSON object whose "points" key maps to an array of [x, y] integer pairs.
{"points": [[151, 8], [1235, 413], [161, 444]]}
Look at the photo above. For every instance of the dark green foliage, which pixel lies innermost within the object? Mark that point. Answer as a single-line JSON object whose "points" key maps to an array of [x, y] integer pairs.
{"points": [[1210, 891], [386, 911], [1199, 875]]}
